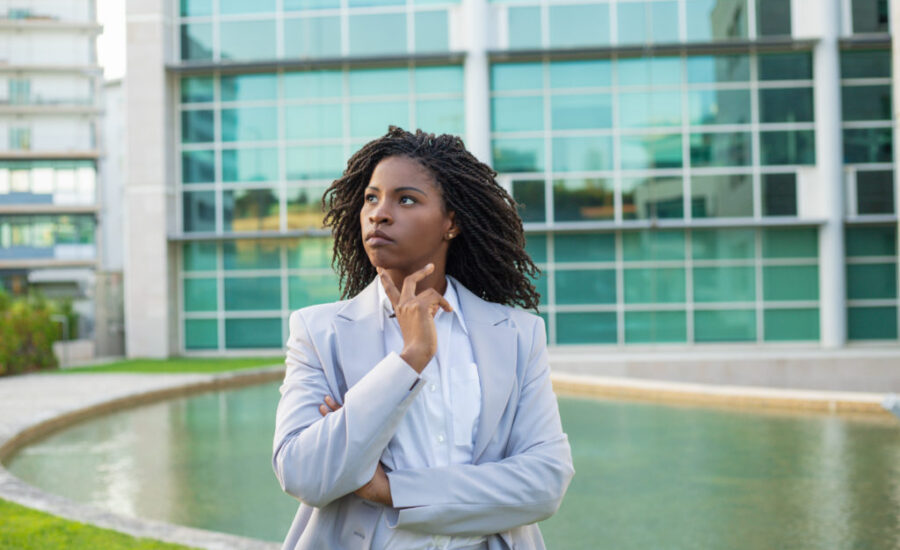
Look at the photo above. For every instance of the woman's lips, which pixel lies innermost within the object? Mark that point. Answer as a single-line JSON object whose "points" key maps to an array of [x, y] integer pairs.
{"points": [[378, 241]]}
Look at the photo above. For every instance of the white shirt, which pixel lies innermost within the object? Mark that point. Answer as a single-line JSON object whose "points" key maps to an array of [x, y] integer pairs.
{"points": [[440, 425]]}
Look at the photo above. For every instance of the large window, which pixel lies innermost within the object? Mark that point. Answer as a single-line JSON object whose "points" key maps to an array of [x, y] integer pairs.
{"points": [[47, 237], [48, 182], [872, 305]]}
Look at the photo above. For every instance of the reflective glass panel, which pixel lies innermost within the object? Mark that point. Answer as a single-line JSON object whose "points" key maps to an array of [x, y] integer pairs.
{"points": [[312, 37], [199, 256], [251, 254], [247, 40], [723, 244], [573, 154], [633, 25], [649, 198], [197, 126], [871, 281], [709, 20], [249, 87], [576, 112], [869, 15], [432, 31], [718, 68], [791, 282], [441, 116], [866, 102], [365, 3], [655, 326], [722, 196], [864, 145], [791, 324], [786, 105], [719, 107], [514, 114], [578, 199], [529, 196], [536, 246], [660, 285], [585, 286], [517, 76], [790, 243], [379, 82], [579, 25], [250, 210], [196, 41], [253, 333], [197, 89], [721, 149], [368, 120], [518, 155], [323, 162], [322, 120], [649, 71], [640, 110], [200, 294], [592, 73], [374, 34], [313, 84], [438, 79], [309, 289], [875, 192], [233, 7], [249, 165], [872, 240], [731, 325], [651, 151], [250, 124], [191, 8], [586, 328], [724, 284], [201, 334], [773, 17], [663, 22], [304, 207], [584, 247], [644, 245], [790, 147], [872, 323], [199, 211], [298, 5], [866, 64], [524, 27], [309, 252], [198, 166], [785, 66], [779, 194]]}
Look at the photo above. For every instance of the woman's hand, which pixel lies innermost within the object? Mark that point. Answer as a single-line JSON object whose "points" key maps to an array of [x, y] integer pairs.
{"points": [[415, 314], [378, 489]]}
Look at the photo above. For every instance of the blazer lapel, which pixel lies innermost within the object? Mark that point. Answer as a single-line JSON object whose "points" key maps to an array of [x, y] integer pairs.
{"points": [[494, 347], [360, 344]]}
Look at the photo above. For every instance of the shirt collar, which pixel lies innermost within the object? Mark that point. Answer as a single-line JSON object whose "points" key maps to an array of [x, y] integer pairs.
{"points": [[449, 295]]}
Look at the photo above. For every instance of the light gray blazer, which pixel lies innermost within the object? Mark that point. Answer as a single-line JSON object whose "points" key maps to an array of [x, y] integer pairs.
{"points": [[522, 463]]}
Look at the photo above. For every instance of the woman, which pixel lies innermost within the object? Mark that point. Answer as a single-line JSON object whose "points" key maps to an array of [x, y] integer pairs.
{"points": [[419, 413]]}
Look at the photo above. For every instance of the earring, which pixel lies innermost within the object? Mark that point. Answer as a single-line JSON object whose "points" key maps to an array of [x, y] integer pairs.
{"points": [[449, 236]]}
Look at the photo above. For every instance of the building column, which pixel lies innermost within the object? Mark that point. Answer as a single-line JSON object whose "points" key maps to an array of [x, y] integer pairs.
{"points": [[829, 158], [477, 79], [148, 271], [894, 28]]}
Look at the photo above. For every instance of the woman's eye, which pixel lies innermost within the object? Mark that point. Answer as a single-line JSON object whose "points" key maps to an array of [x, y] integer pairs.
{"points": [[369, 197], [407, 200]]}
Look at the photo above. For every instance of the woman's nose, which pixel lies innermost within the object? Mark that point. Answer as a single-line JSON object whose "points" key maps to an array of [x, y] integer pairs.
{"points": [[380, 214]]}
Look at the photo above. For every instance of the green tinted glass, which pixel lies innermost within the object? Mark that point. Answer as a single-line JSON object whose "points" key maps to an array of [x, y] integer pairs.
{"points": [[253, 333], [779, 194], [864, 145], [790, 147], [872, 323], [514, 114], [536, 246], [313, 84], [373, 34], [524, 27], [369, 120], [871, 281], [633, 23], [249, 87], [251, 254], [593, 73], [250, 124], [250, 210], [540, 285], [201, 334], [579, 25], [724, 284], [646, 109], [875, 192], [655, 326], [309, 252], [866, 64], [199, 256], [876, 240], [197, 126], [721, 149], [196, 41], [586, 328], [304, 207], [252, 293], [791, 282], [718, 68], [719, 107], [663, 22], [314, 121], [576, 112], [247, 40], [249, 165], [786, 105], [642, 246], [662, 285], [709, 20], [790, 243], [200, 294], [648, 198], [199, 211], [576, 154], [197, 89], [791, 324], [530, 200], [312, 37], [585, 247], [299, 5], [432, 31], [441, 116], [235, 7], [722, 196], [785, 66], [577, 199], [651, 151], [723, 244], [306, 290], [733, 325], [866, 102], [585, 286], [438, 79], [190, 8], [198, 166], [518, 155], [517, 76], [649, 71], [324, 162]]}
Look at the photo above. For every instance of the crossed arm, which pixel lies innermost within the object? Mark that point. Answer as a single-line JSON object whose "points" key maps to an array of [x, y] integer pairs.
{"points": [[320, 459]]}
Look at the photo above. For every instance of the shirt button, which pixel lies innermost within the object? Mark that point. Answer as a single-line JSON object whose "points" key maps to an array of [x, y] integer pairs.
{"points": [[440, 438], [432, 387]]}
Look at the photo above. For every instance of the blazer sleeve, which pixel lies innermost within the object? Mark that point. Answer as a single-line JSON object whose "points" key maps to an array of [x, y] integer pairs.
{"points": [[525, 487], [319, 459]]}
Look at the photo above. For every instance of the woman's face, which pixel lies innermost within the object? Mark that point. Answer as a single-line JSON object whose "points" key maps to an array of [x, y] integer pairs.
{"points": [[403, 219]]}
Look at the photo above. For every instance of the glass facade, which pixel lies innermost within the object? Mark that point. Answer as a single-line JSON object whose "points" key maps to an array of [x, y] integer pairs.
{"points": [[668, 192]]}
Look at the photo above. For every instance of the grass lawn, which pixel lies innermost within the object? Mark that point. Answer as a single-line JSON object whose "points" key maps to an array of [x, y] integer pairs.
{"points": [[179, 364], [26, 529]]}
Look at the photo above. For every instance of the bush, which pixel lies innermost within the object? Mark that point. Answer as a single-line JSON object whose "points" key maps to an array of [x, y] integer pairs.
{"points": [[27, 333]]}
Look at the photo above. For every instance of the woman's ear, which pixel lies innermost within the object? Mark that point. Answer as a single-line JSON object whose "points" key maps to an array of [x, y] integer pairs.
{"points": [[451, 230]]}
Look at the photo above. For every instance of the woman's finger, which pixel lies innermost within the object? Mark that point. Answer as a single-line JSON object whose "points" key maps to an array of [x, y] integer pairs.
{"points": [[389, 287], [411, 280], [331, 403], [323, 410], [433, 298]]}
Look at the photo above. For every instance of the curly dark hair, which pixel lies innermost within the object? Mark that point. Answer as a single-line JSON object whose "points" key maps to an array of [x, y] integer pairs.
{"points": [[488, 256]]}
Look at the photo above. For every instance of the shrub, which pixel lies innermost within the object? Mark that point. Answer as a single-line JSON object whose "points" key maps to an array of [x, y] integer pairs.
{"points": [[27, 333]]}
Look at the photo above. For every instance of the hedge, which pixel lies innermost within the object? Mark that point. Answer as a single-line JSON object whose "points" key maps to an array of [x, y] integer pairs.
{"points": [[27, 333]]}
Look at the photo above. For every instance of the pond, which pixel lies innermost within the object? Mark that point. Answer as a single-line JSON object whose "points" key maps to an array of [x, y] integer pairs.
{"points": [[647, 475]]}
